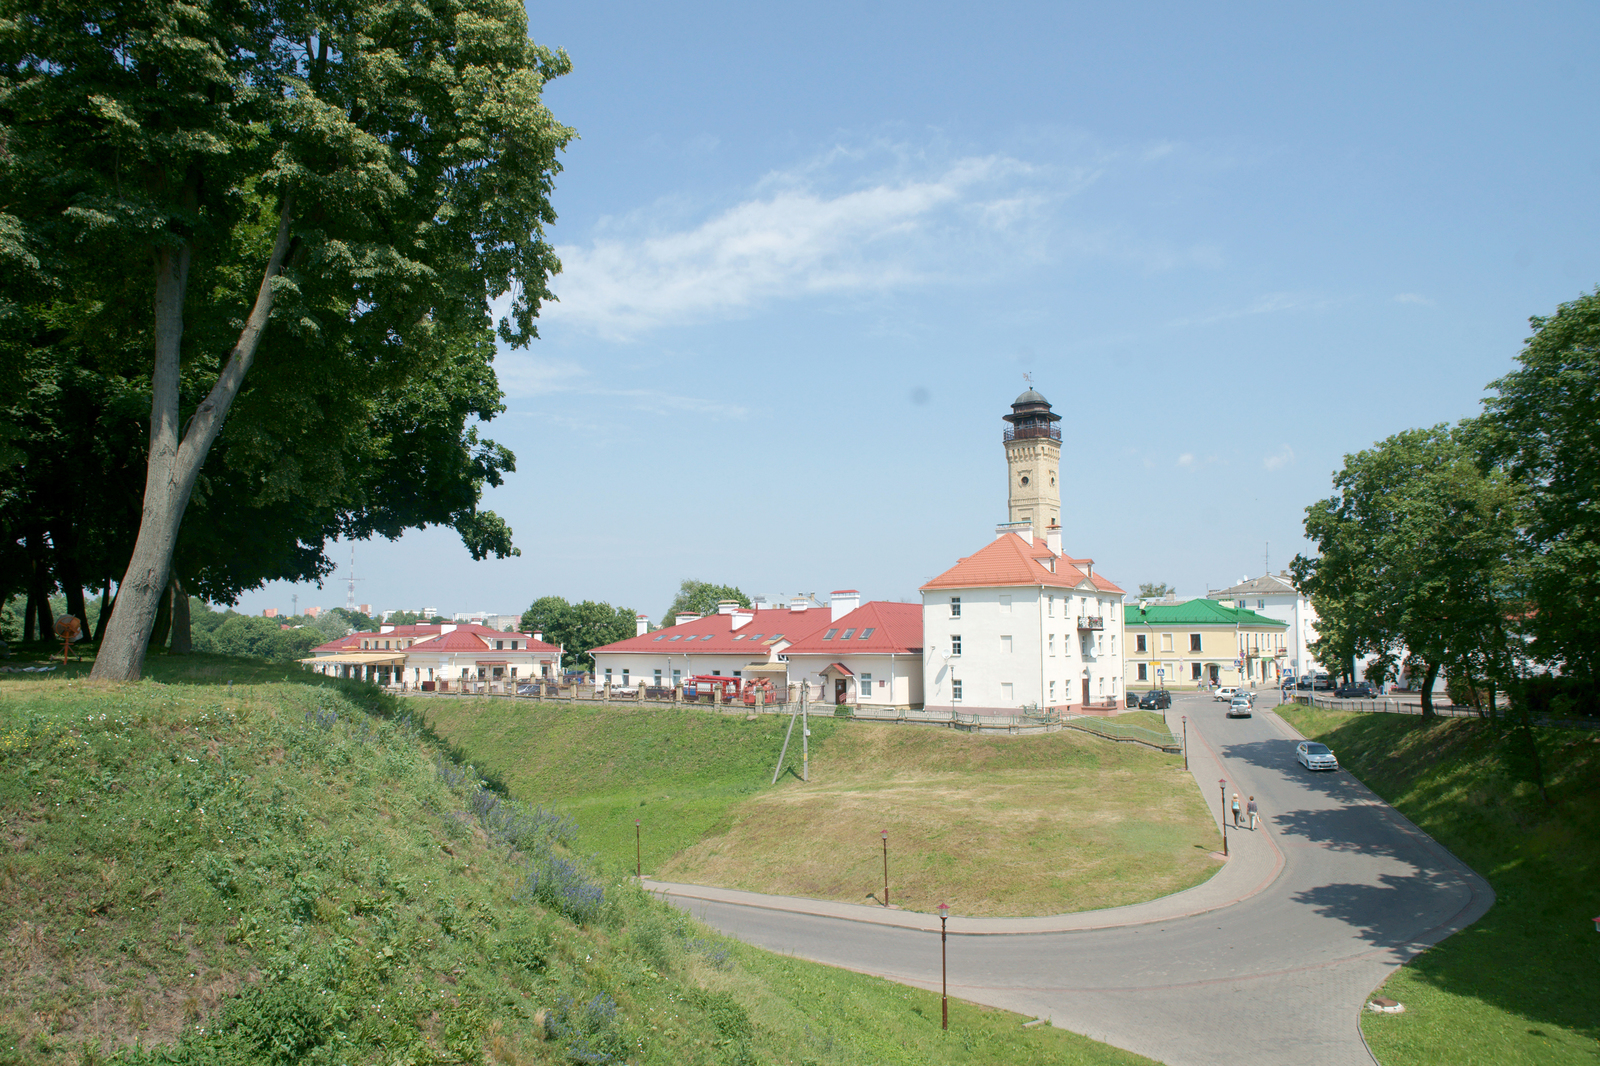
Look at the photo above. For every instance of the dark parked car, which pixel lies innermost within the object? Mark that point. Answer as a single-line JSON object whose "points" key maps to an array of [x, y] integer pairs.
{"points": [[1356, 690], [1157, 699]]}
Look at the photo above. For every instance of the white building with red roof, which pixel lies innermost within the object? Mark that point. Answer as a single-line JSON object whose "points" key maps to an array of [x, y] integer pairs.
{"points": [[1019, 624], [744, 642], [438, 657], [868, 653]]}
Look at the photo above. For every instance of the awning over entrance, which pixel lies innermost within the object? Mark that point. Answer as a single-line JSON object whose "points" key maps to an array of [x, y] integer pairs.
{"points": [[839, 668], [767, 668], [359, 658]]}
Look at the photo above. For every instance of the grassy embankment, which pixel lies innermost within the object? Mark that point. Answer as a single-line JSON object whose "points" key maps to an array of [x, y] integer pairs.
{"points": [[992, 825], [1520, 985], [293, 872]]}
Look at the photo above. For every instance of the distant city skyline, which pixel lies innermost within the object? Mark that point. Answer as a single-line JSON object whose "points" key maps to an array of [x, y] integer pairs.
{"points": [[806, 272]]}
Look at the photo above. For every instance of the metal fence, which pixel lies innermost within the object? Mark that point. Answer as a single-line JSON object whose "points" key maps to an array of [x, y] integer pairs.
{"points": [[1111, 729]]}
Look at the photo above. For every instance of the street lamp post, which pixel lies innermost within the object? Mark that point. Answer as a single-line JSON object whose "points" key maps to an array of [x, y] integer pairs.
{"points": [[638, 851], [1222, 783], [885, 834], [1185, 742], [944, 983]]}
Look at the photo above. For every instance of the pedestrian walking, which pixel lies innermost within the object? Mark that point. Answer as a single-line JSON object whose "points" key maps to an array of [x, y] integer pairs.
{"points": [[1236, 810], [1254, 813]]}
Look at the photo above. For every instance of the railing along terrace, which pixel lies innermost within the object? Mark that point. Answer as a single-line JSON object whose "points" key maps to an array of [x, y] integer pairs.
{"points": [[1051, 431]]}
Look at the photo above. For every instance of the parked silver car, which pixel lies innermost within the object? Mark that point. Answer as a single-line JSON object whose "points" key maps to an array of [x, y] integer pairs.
{"points": [[1314, 756], [1239, 706]]}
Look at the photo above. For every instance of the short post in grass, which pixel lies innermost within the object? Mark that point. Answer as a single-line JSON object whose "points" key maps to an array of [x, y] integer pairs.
{"points": [[885, 834], [944, 983], [1185, 742], [1222, 783], [638, 851]]}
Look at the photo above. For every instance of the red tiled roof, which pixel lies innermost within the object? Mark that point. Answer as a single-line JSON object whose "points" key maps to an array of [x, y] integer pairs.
{"points": [[896, 627], [1010, 560], [466, 636], [751, 639]]}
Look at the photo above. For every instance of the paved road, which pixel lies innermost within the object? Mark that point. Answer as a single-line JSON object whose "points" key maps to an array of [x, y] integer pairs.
{"points": [[1269, 962]]}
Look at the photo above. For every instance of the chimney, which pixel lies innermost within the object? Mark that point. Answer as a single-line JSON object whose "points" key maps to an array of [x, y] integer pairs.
{"points": [[727, 606], [386, 629], [448, 627], [538, 636], [741, 618], [798, 604], [844, 601], [685, 616], [1052, 539], [1021, 529], [641, 625]]}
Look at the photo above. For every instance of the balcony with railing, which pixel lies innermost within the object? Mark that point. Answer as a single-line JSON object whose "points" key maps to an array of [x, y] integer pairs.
{"points": [[1046, 431], [1091, 621]]}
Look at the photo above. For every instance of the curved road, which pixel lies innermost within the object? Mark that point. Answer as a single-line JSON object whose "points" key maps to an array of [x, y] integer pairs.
{"points": [[1270, 961]]}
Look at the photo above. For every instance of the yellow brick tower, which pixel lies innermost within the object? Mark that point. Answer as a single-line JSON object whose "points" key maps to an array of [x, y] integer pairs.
{"points": [[1033, 463]]}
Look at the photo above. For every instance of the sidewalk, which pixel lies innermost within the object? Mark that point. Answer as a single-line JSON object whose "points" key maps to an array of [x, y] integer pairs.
{"points": [[1254, 863]]}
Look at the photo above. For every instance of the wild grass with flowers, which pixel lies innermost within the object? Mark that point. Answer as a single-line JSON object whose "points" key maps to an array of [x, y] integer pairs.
{"points": [[296, 870]]}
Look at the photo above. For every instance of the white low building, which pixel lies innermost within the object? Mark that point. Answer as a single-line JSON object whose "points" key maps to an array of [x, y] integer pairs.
{"points": [[869, 653], [734, 642], [437, 658]]}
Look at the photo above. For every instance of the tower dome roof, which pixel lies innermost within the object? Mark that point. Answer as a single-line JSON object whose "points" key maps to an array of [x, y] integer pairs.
{"points": [[1030, 396]]}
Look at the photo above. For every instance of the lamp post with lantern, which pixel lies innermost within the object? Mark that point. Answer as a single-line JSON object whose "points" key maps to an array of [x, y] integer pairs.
{"points": [[944, 983], [885, 834], [1222, 783]]}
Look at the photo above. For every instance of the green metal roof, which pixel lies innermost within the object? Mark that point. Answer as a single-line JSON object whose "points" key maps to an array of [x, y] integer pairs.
{"points": [[1200, 612]]}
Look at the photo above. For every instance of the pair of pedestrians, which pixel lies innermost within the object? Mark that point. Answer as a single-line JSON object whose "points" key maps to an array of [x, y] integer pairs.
{"points": [[1250, 810]]}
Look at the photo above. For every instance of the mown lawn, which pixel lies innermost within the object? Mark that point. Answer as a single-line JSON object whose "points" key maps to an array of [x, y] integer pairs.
{"points": [[1520, 985], [992, 825]]}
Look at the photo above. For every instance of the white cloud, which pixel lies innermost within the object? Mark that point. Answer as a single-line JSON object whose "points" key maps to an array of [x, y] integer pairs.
{"points": [[1278, 460], [1412, 298], [1186, 459], [789, 242]]}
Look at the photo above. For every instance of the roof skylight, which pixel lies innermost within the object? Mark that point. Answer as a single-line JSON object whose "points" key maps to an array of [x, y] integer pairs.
{"points": [[865, 633], [848, 633], [829, 635]]}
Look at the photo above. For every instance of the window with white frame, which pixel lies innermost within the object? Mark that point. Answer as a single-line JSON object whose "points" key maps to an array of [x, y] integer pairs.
{"points": [[866, 686], [955, 643], [1052, 692], [1144, 671], [677, 676], [1005, 643], [1142, 645], [955, 606], [1194, 641], [1050, 607], [1052, 644], [608, 675], [658, 678], [955, 689], [624, 676], [1194, 671]]}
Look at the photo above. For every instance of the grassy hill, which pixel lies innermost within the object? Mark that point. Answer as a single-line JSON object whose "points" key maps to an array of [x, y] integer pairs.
{"points": [[991, 824], [289, 870], [1520, 985]]}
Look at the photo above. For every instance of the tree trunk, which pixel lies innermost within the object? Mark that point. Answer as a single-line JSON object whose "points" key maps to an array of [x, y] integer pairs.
{"points": [[107, 604], [1428, 678], [174, 464], [30, 613], [182, 643], [65, 540], [161, 630]]}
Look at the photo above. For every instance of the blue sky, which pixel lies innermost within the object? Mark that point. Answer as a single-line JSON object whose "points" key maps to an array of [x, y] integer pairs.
{"points": [[811, 250]]}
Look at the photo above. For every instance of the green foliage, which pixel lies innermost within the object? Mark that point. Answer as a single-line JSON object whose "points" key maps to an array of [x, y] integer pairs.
{"points": [[578, 627], [1543, 425], [701, 597], [1151, 590], [1519, 985], [1416, 556]]}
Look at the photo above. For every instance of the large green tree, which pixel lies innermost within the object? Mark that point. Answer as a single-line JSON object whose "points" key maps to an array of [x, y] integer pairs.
{"points": [[1543, 425], [334, 192], [1416, 556], [701, 597], [578, 628]]}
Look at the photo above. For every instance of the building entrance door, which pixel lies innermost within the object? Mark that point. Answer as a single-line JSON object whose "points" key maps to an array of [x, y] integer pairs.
{"points": [[839, 687], [1086, 692]]}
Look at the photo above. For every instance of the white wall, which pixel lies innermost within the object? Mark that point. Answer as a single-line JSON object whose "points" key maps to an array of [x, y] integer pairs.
{"points": [[1030, 660]]}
